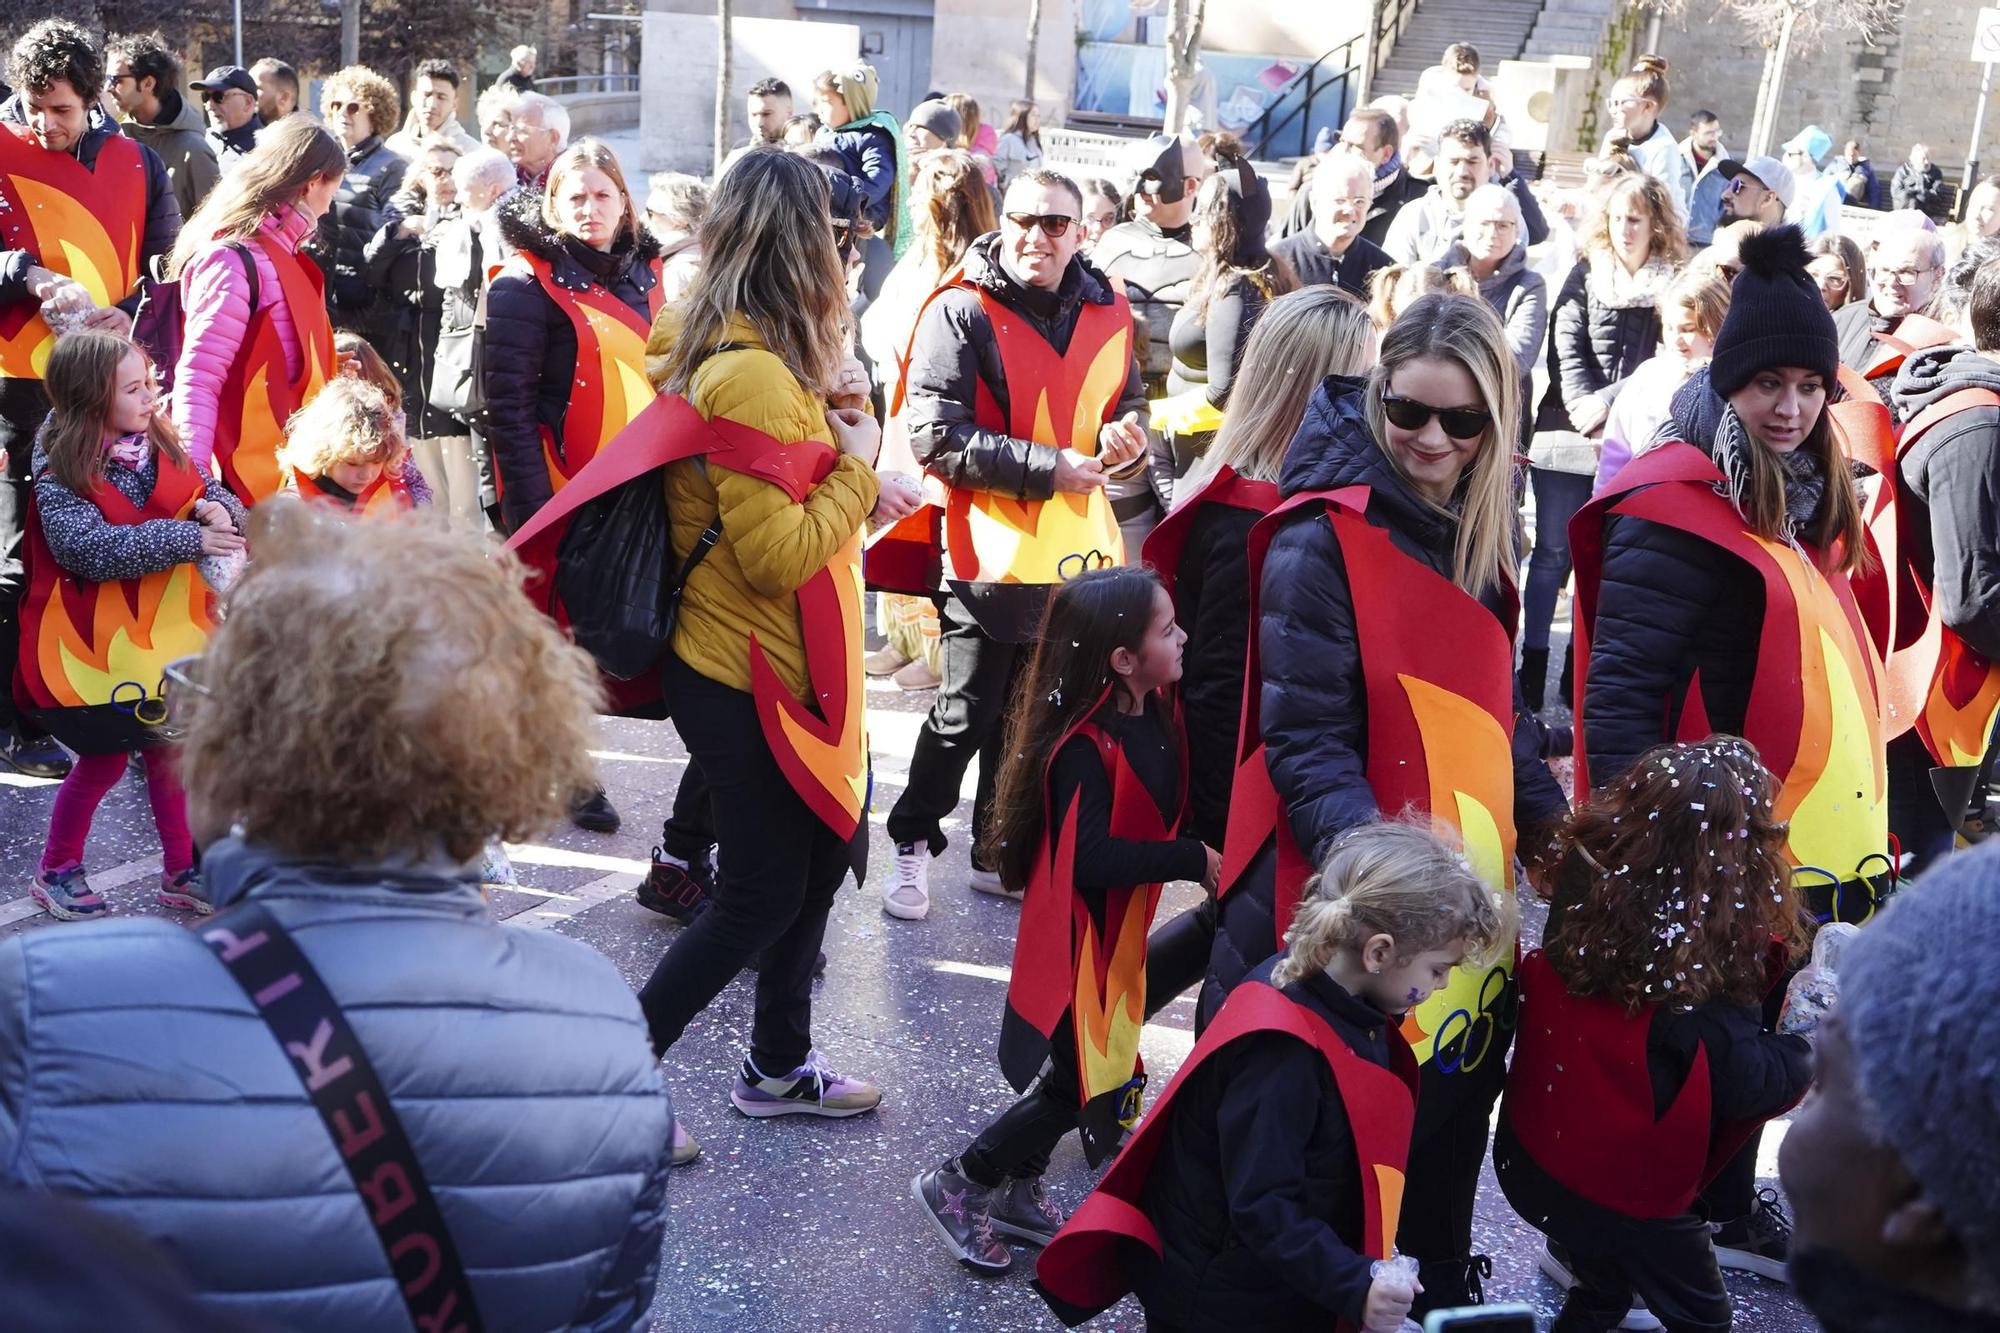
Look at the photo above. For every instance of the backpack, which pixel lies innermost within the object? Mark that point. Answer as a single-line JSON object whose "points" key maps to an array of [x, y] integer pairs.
{"points": [[160, 324]]}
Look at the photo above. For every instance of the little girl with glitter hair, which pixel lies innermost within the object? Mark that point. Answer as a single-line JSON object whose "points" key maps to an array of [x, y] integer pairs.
{"points": [[1645, 1066]]}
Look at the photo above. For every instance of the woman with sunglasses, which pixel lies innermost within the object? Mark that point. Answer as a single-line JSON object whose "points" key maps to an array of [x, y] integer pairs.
{"points": [[359, 107], [1636, 103], [1385, 585], [1712, 596]]}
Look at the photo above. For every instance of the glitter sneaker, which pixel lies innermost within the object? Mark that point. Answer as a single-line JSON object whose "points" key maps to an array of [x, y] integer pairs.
{"points": [[811, 1089], [1020, 1208], [961, 1212], [66, 895], [184, 893]]}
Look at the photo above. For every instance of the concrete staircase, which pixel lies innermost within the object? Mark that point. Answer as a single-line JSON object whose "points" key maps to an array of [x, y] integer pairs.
{"points": [[1499, 28], [1570, 28]]}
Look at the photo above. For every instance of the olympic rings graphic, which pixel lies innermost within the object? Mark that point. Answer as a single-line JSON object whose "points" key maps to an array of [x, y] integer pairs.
{"points": [[1495, 1015], [147, 707], [1081, 562]]}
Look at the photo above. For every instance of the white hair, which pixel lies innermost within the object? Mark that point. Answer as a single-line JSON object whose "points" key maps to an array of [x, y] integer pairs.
{"points": [[483, 166], [1495, 193], [1342, 167], [552, 114], [519, 51]]}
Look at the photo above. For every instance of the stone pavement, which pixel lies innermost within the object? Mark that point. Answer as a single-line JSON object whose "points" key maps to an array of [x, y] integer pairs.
{"points": [[800, 1224]]}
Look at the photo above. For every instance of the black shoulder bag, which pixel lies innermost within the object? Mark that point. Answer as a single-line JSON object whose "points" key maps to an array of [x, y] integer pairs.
{"points": [[315, 1036]]}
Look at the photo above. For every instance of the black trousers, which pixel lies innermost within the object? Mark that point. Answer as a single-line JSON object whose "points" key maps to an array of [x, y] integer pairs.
{"points": [[23, 406], [1915, 816], [1019, 1141], [1668, 1262], [966, 722], [1177, 955], [690, 830], [784, 863], [1447, 1153]]}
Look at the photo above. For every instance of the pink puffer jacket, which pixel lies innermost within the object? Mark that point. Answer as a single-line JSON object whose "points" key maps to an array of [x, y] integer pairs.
{"points": [[215, 300]]}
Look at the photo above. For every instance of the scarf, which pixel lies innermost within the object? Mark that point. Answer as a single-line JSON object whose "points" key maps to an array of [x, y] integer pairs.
{"points": [[129, 452], [1701, 417], [1385, 175]]}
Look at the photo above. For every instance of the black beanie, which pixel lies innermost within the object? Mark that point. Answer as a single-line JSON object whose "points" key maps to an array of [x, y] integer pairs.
{"points": [[1776, 316]]}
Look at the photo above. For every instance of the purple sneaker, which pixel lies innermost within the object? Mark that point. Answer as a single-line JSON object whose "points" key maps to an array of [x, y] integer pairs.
{"points": [[65, 894], [811, 1089], [184, 893]]}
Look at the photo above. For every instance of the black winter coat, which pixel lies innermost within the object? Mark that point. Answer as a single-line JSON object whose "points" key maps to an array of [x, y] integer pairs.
{"points": [[1256, 1192], [1951, 483], [1404, 189], [1212, 602], [1313, 705], [955, 350], [360, 207], [1922, 190], [1593, 346], [1668, 605], [530, 347], [402, 269], [870, 155]]}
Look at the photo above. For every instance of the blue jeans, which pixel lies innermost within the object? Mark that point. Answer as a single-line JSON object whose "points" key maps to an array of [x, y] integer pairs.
{"points": [[1558, 495]]}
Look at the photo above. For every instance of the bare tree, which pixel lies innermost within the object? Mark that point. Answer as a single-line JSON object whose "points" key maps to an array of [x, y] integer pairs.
{"points": [[723, 72], [1034, 32], [1184, 20]]}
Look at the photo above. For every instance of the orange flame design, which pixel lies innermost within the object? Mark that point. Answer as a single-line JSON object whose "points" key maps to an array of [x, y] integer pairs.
{"points": [[72, 236], [125, 642], [1110, 1005], [1959, 713], [832, 754]]}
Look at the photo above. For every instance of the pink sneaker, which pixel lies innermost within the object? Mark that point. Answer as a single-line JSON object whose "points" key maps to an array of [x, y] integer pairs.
{"points": [[811, 1089]]}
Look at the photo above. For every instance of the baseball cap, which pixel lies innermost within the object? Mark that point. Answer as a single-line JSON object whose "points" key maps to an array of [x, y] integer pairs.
{"points": [[1768, 172], [224, 77]]}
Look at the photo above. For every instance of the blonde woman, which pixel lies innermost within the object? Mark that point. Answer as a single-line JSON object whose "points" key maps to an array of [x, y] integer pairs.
{"points": [[360, 107], [1201, 552], [950, 208], [257, 343], [1386, 673]]}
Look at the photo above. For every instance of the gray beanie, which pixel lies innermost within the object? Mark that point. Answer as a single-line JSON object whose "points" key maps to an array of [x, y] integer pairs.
{"points": [[937, 116], [1920, 998]]}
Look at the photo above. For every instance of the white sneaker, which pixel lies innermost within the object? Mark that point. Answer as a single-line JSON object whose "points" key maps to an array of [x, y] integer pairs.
{"points": [[988, 881], [907, 895]]}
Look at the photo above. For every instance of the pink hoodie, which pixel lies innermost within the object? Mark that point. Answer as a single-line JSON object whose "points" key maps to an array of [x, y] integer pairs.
{"points": [[215, 301]]}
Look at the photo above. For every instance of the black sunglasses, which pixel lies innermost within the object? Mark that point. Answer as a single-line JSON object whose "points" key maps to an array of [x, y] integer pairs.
{"points": [[1052, 224], [1461, 423]]}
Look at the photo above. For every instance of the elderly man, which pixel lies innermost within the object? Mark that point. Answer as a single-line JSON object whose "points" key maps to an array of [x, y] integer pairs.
{"points": [[1905, 264], [1892, 1166], [1920, 185], [143, 78], [433, 117], [537, 134], [231, 96], [1334, 250]]}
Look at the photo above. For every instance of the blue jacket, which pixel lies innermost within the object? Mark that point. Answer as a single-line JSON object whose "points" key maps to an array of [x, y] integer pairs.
{"points": [[136, 1074]]}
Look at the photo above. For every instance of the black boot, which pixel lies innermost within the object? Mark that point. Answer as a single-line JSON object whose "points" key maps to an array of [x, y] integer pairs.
{"points": [[1534, 676], [1567, 683]]}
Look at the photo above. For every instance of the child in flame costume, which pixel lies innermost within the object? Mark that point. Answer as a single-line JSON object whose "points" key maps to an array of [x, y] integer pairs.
{"points": [[119, 519], [1383, 679], [1270, 1174], [1713, 595], [1084, 821], [1643, 1061], [346, 448]]}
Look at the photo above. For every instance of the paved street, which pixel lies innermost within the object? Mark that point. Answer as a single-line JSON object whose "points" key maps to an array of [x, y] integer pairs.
{"points": [[796, 1224]]}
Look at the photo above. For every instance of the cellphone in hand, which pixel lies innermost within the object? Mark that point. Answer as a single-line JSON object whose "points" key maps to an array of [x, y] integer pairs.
{"points": [[1511, 1317]]}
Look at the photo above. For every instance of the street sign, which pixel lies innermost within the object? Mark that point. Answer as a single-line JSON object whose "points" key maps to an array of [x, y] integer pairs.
{"points": [[1986, 37]]}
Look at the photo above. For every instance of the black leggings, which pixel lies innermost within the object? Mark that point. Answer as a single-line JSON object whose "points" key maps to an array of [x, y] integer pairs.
{"points": [[784, 863]]}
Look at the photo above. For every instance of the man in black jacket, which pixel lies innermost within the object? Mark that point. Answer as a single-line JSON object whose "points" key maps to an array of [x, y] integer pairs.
{"points": [[1371, 135], [57, 72], [1030, 269], [1333, 251], [231, 97], [1920, 185]]}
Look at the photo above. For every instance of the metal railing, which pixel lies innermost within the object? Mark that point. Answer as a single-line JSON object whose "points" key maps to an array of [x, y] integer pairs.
{"points": [[1396, 16], [588, 83], [1334, 76]]}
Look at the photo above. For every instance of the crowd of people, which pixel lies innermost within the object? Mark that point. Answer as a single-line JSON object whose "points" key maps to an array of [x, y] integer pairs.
{"points": [[1204, 520]]}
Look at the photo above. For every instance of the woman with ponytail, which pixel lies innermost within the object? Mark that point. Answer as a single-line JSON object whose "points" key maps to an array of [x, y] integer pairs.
{"points": [[1636, 103], [1246, 1178]]}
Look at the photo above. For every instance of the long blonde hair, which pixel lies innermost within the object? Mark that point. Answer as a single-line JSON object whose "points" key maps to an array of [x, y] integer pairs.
{"points": [[289, 156], [81, 380], [1465, 329], [1394, 878], [1303, 337], [767, 257]]}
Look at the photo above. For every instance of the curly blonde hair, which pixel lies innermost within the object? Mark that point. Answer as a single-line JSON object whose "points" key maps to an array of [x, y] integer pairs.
{"points": [[347, 710], [1395, 878], [376, 94], [348, 421]]}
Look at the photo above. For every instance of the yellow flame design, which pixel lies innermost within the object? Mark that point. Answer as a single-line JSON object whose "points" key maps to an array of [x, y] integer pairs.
{"points": [[131, 648], [1108, 1023]]}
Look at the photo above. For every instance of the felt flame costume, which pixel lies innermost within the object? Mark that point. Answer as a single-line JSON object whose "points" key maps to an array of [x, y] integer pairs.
{"points": [[260, 394], [608, 387]]}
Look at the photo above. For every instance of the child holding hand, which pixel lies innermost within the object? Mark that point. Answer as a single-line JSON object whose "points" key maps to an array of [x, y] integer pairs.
{"points": [[118, 522], [1644, 1062], [1268, 1180]]}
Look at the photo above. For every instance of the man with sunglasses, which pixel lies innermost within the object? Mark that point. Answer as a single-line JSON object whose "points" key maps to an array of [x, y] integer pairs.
{"points": [[142, 78], [231, 97], [1024, 398], [1759, 190]]}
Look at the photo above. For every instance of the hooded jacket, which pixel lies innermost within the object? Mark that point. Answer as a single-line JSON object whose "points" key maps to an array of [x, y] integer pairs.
{"points": [[1668, 605], [531, 346], [180, 137], [955, 351], [360, 207], [1951, 478], [550, 1170]]}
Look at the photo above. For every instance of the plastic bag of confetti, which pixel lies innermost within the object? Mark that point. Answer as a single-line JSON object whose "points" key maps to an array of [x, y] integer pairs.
{"points": [[1816, 988]]}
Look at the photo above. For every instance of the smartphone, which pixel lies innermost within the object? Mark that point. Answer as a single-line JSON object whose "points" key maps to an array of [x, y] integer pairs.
{"points": [[1507, 1318]]}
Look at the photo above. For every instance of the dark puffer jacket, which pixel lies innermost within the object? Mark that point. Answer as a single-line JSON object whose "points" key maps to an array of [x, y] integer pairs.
{"points": [[1951, 481], [531, 346], [403, 270], [1595, 341], [360, 207], [1313, 704], [1212, 603], [1257, 1193], [1668, 605]]}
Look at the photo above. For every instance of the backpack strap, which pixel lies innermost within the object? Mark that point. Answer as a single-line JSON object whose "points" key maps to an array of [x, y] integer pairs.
{"points": [[250, 270], [307, 1023]]}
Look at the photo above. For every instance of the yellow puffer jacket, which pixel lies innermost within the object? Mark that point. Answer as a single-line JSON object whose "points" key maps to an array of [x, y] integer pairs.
{"points": [[770, 546]]}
